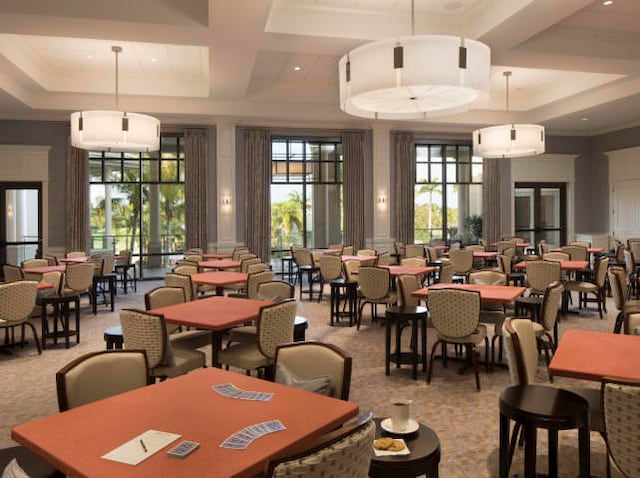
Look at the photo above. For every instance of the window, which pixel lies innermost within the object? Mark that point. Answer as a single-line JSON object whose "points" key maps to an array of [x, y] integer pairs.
{"points": [[306, 192], [448, 193], [137, 203]]}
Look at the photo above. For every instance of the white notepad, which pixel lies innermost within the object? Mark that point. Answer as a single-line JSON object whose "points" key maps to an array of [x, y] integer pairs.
{"points": [[132, 452]]}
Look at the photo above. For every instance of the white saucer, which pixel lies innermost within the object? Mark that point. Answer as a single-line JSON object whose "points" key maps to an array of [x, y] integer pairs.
{"points": [[412, 426]]}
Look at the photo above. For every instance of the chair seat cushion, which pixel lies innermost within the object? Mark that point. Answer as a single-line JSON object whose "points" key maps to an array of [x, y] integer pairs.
{"points": [[579, 286], [191, 339], [185, 360], [244, 333], [246, 356], [475, 338]]}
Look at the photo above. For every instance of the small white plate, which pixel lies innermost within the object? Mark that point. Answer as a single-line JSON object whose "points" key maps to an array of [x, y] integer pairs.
{"points": [[412, 426]]}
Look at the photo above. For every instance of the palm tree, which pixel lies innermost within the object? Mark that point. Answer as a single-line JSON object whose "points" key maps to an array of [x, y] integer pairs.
{"points": [[287, 218], [429, 188]]}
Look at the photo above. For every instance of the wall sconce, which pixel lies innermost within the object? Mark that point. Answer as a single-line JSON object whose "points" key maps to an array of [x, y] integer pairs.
{"points": [[225, 204], [10, 211], [382, 201]]}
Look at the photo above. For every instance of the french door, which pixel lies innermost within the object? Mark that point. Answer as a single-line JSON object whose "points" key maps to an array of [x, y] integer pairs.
{"points": [[21, 226], [540, 212]]}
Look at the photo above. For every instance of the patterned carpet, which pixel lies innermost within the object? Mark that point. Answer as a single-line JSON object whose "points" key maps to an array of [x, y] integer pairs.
{"points": [[466, 421]]}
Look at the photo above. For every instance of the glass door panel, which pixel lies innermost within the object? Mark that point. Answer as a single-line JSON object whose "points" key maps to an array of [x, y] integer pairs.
{"points": [[540, 213], [21, 232]]}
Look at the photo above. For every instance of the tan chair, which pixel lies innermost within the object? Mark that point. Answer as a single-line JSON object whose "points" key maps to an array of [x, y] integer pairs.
{"points": [[597, 287], [330, 270], [366, 252], [400, 250], [556, 256], [621, 410], [414, 250], [539, 275], [51, 260], [12, 273], [406, 284], [445, 273], [502, 246], [414, 261], [275, 291], [125, 269], [17, 300], [99, 375], [548, 323], [164, 296], [462, 261], [491, 312], [385, 259], [305, 267], [576, 253], [625, 307], [33, 263], [194, 251], [314, 366], [253, 281], [455, 314], [580, 243], [184, 281], [341, 453], [347, 250], [375, 287], [185, 269], [258, 267], [193, 257], [145, 331], [631, 268], [237, 251], [75, 254], [275, 327]]}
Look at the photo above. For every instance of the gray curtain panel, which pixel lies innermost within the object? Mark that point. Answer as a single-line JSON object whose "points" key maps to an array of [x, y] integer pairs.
{"points": [[257, 181], [491, 200], [353, 157], [77, 189], [405, 173], [195, 187]]}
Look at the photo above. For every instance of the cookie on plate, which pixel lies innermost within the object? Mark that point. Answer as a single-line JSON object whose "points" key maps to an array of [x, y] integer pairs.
{"points": [[397, 445], [383, 443]]}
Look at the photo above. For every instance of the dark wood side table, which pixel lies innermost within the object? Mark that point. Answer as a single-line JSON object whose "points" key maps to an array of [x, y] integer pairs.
{"points": [[113, 337], [424, 445], [343, 290], [416, 317]]}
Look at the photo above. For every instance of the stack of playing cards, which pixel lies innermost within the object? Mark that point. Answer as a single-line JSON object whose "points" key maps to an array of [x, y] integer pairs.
{"points": [[231, 391], [242, 439]]}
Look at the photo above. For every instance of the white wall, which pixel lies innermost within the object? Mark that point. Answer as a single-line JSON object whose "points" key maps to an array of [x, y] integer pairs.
{"points": [[624, 193]]}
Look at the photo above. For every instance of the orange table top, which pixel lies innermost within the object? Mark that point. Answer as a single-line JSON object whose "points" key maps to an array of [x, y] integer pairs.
{"points": [[75, 440], [213, 313], [498, 293], [72, 259], [479, 254], [590, 250], [409, 270], [221, 264], [518, 244], [44, 269], [219, 278], [359, 258], [594, 355], [564, 265], [327, 251], [44, 285], [217, 255]]}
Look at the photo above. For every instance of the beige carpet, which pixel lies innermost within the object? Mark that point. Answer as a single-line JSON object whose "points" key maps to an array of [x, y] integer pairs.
{"points": [[465, 420]]}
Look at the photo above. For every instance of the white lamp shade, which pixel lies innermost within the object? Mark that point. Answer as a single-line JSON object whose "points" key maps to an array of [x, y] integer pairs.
{"points": [[116, 131], [509, 141], [429, 83]]}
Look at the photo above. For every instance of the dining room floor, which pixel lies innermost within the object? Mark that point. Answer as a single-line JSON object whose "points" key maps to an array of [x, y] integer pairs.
{"points": [[466, 421]]}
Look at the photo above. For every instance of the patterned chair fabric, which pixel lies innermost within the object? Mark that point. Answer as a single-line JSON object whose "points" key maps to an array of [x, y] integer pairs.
{"points": [[347, 455], [347, 250], [34, 263], [542, 273], [549, 310], [99, 375], [275, 290], [406, 284], [172, 279], [431, 253], [330, 267], [193, 257], [76, 254], [163, 296], [349, 268], [576, 253], [254, 280], [375, 287], [12, 273], [621, 406], [414, 250], [385, 259], [618, 281], [597, 287], [185, 269], [258, 267], [235, 254], [17, 300], [556, 256], [502, 246], [366, 252], [521, 350], [78, 278], [462, 261], [414, 261], [445, 275]]}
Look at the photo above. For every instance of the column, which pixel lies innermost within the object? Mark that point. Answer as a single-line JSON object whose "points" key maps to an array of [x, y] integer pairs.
{"points": [[381, 189], [226, 203]]}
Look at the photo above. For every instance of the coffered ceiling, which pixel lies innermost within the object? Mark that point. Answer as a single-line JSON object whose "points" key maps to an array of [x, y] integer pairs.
{"points": [[575, 63]]}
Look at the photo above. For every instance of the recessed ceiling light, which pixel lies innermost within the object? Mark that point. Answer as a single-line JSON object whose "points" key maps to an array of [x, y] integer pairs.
{"points": [[297, 68], [606, 3]]}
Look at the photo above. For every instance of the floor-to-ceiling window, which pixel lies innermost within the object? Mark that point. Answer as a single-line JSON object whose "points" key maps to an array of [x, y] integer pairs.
{"points": [[306, 192], [137, 203], [448, 193]]}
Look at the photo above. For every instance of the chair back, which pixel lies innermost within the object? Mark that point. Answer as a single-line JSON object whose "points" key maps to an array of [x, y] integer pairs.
{"points": [[17, 300], [349, 268], [108, 264], [462, 260], [164, 296], [194, 251], [621, 409], [249, 261], [76, 254], [254, 280], [414, 261], [235, 254], [79, 277], [246, 255], [54, 278], [12, 273], [302, 257], [634, 247], [543, 248], [521, 349], [275, 290], [374, 282], [445, 275], [414, 250], [432, 254], [98, 264], [185, 269], [194, 257], [629, 262], [454, 312], [504, 263], [366, 252], [618, 281], [488, 278], [124, 258], [399, 248], [475, 248], [310, 360], [501, 246], [542, 273], [406, 284], [344, 452], [550, 304], [580, 243], [34, 263], [347, 250], [385, 259], [145, 331], [576, 253], [602, 264], [172, 279], [330, 267], [51, 260], [275, 326], [510, 252], [556, 256], [99, 375], [258, 267]]}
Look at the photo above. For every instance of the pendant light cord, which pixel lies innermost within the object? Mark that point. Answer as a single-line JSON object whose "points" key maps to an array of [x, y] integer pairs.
{"points": [[116, 50], [507, 74], [413, 20]]}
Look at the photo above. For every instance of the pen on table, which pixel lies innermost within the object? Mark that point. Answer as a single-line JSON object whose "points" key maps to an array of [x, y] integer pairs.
{"points": [[143, 445]]}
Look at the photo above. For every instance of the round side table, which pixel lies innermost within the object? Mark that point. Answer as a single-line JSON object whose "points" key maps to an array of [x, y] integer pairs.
{"points": [[424, 457]]}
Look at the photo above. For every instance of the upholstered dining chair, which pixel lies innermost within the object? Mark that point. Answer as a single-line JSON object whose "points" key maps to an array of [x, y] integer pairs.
{"points": [[33, 263], [275, 327], [164, 296], [314, 366], [253, 281], [625, 307], [99, 375], [75, 254], [275, 290], [375, 288], [343, 452], [595, 287], [347, 250], [17, 300], [539, 275], [414, 261], [445, 273], [194, 251], [576, 253], [491, 312], [11, 273], [237, 251], [125, 269], [385, 259], [146, 331], [548, 321], [556, 256], [455, 314], [414, 250], [258, 267], [502, 246], [184, 281], [366, 252], [621, 409], [330, 270], [305, 267], [406, 284], [462, 261]]}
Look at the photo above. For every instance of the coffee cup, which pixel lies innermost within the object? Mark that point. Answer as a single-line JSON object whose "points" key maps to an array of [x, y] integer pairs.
{"points": [[400, 414]]}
